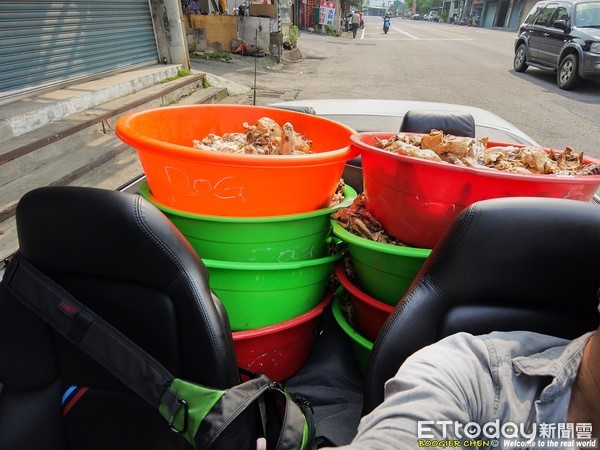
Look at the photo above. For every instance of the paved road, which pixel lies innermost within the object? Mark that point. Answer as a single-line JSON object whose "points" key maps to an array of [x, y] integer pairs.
{"points": [[428, 61]]}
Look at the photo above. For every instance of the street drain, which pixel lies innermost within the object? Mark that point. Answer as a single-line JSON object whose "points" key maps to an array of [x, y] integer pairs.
{"points": [[267, 93]]}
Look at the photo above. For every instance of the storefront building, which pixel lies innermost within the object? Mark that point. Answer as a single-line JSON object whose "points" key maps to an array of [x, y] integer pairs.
{"points": [[56, 43], [506, 14]]}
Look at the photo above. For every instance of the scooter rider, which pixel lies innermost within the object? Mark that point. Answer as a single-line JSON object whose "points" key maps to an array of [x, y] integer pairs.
{"points": [[386, 23]]}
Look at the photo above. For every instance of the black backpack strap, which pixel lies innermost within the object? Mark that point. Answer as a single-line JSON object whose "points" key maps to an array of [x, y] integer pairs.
{"points": [[296, 413], [147, 377], [295, 419], [237, 399], [82, 327]]}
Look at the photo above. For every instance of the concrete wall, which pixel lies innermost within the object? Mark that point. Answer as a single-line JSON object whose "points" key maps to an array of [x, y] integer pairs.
{"points": [[169, 30], [219, 31], [248, 28]]}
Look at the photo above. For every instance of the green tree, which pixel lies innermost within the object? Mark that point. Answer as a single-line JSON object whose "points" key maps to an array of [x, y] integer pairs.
{"points": [[422, 6]]}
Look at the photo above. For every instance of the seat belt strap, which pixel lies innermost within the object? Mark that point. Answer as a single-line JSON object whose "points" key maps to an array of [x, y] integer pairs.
{"points": [[133, 366]]}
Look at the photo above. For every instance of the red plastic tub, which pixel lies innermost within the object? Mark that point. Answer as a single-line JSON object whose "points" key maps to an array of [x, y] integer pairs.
{"points": [[416, 199], [280, 350], [233, 184], [369, 314]]}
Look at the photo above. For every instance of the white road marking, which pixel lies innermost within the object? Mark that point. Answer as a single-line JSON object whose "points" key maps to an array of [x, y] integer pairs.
{"points": [[446, 39], [454, 32], [412, 36], [373, 37], [379, 35]]}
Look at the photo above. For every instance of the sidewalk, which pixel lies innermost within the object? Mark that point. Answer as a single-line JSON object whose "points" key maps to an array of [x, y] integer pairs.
{"points": [[66, 137], [274, 82]]}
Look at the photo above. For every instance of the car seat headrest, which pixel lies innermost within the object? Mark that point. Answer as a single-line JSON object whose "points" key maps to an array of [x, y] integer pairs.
{"points": [[457, 123]]}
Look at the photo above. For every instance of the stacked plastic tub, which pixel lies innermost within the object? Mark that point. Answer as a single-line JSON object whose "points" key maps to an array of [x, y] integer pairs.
{"points": [[415, 200], [259, 223], [381, 274]]}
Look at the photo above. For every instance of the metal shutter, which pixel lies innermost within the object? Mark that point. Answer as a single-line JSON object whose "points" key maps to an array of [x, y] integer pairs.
{"points": [[47, 42]]}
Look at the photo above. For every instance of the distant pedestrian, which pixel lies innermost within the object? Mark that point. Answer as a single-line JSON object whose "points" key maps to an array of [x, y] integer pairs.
{"points": [[193, 7], [355, 23]]}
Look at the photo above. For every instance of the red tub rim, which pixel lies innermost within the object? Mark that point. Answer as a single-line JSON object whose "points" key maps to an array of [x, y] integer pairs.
{"points": [[340, 273], [491, 173], [282, 326]]}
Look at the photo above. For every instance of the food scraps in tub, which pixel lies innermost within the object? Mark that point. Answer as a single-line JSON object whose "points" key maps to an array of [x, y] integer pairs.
{"points": [[357, 220], [529, 160], [267, 137], [338, 195], [472, 152], [347, 309]]}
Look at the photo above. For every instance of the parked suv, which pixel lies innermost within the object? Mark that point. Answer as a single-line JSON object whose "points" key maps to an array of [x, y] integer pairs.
{"points": [[564, 36]]}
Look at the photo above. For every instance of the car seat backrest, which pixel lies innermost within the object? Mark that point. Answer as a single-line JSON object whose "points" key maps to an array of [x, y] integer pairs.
{"points": [[121, 257], [503, 264]]}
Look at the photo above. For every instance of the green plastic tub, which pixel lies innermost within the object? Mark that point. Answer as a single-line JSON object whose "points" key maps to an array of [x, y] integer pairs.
{"points": [[256, 295], [295, 237], [384, 271], [361, 346]]}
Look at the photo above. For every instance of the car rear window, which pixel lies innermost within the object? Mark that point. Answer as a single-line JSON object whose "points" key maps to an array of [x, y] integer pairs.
{"points": [[532, 14], [545, 14], [561, 13]]}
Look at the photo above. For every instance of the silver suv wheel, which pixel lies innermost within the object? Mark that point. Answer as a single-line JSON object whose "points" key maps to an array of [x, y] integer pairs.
{"points": [[519, 63], [567, 76]]}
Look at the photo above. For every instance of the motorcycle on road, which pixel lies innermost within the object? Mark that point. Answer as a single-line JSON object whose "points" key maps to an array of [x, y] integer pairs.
{"points": [[386, 24]]}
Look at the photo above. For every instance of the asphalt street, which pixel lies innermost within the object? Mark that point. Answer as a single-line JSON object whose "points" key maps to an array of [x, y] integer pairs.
{"points": [[424, 61]]}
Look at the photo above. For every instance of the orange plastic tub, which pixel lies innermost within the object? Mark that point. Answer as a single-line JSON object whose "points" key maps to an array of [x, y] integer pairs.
{"points": [[227, 184], [416, 199]]}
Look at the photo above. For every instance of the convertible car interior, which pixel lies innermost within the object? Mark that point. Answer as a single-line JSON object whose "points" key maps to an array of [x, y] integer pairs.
{"points": [[503, 264]]}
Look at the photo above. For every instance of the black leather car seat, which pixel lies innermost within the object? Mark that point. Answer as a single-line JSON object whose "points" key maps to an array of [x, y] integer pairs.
{"points": [[457, 123], [121, 257], [503, 264]]}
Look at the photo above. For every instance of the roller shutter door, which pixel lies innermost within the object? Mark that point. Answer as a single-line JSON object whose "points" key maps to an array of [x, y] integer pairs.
{"points": [[44, 42]]}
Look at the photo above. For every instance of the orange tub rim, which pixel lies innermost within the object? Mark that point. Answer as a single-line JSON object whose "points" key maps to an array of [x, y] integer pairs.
{"points": [[126, 132]]}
